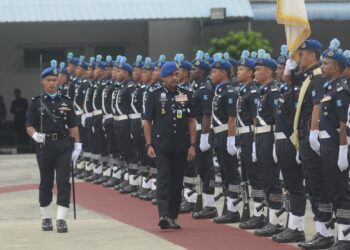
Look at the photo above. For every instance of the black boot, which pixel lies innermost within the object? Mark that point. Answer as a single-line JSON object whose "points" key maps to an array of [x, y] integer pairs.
{"points": [[101, 180], [289, 236], [121, 185], [140, 192], [92, 177], [61, 226], [173, 224], [206, 213], [149, 196], [229, 217], [111, 182], [163, 223], [186, 207], [129, 189], [269, 230], [341, 245], [84, 174], [318, 242], [46, 225], [254, 222]]}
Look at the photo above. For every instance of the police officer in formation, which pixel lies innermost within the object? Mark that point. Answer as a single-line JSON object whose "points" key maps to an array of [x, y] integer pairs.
{"points": [[147, 114]]}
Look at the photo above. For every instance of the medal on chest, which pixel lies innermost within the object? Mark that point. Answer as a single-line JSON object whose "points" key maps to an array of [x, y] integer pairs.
{"points": [[163, 100]]}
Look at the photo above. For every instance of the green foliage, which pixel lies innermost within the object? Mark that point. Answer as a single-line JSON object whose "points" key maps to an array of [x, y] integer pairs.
{"points": [[235, 42]]}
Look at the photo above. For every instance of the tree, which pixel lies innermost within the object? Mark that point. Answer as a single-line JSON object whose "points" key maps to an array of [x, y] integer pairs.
{"points": [[235, 42]]}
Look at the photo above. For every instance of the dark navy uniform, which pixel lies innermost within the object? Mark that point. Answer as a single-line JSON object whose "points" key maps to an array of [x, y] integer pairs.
{"points": [[169, 111], [55, 154]]}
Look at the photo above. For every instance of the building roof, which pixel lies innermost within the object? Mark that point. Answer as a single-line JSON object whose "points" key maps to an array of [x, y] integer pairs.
{"points": [[338, 10], [114, 10]]}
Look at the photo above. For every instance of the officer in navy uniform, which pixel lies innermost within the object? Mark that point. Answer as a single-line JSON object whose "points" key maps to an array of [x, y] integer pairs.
{"points": [[202, 104], [51, 122], [305, 138], [170, 133], [224, 114], [265, 68], [72, 63], [289, 164], [333, 143], [246, 120]]}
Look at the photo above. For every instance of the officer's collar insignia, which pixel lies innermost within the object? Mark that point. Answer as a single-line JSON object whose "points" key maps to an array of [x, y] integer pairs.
{"points": [[330, 53]]}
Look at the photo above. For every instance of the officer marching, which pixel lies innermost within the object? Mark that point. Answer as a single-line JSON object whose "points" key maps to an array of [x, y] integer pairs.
{"points": [[51, 122]]}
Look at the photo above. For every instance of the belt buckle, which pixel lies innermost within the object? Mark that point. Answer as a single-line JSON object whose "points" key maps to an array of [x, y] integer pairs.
{"points": [[54, 137]]}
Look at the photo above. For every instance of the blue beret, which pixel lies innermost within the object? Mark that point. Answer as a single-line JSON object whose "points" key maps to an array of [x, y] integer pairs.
{"points": [[71, 59], [311, 45], [124, 66], [138, 63], [82, 63], [92, 63], [333, 53], [168, 68], [246, 61], [109, 62], [220, 63], [346, 53], [160, 61], [50, 71], [199, 61], [282, 59], [264, 60], [148, 65]]}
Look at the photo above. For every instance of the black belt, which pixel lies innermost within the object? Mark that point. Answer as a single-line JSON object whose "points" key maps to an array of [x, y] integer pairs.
{"points": [[55, 136]]}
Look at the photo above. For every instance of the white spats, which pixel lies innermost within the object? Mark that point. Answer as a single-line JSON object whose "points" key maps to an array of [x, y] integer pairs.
{"points": [[153, 184], [341, 228], [126, 176], [192, 197], [273, 219], [146, 184], [323, 230], [81, 165], [117, 173], [62, 212], [46, 212], [107, 172], [98, 169], [134, 180], [230, 206], [296, 222], [256, 212], [208, 200]]}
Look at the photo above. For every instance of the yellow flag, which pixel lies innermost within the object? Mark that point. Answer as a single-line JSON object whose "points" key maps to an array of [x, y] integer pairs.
{"points": [[292, 13]]}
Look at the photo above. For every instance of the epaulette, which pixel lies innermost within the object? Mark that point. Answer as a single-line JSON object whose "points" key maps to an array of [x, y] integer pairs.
{"points": [[187, 88], [343, 86], [154, 88], [231, 89], [131, 84]]}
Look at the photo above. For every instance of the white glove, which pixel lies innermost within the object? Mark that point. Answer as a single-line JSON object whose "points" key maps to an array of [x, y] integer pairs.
{"points": [[254, 158], [343, 163], [313, 139], [204, 142], [290, 65], [231, 147], [38, 137], [274, 153], [83, 119], [297, 158], [76, 151]]}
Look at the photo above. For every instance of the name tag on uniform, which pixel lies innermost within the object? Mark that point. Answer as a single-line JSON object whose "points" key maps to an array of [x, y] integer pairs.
{"points": [[326, 98], [181, 98], [179, 114]]}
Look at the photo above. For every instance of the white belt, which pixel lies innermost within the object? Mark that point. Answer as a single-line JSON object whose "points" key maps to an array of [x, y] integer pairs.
{"points": [[245, 129], [89, 115], [97, 112], [107, 116], [280, 136], [135, 116], [220, 128], [324, 135], [79, 112], [264, 129], [120, 117], [198, 126]]}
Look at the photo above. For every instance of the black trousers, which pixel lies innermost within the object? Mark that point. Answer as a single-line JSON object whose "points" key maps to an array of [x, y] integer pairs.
{"points": [[205, 167], [319, 197], [139, 141], [82, 132], [170, 169], [230, 175], [54, 156], [89, 124], [115, 142], [127, 149], [292, 175], [100, 141], [269, 170], [109, 135], [337, 182], [252, 168]]}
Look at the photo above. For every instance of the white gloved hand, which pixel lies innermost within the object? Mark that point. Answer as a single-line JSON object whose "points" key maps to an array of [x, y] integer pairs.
{"points": [[343, 163], [254, 158], [231, 147], [290, 65], [313, 139], [297, 158], [38, 137], [204, 142], [76, 152], [83, 119], [274, 153]]}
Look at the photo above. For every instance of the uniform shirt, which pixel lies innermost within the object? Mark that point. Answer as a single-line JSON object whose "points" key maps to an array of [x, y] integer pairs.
{"points": [[224, 103], [267, 106], [247, 104], [80, 92], [123, 99], [202, 100], [72, 85], [107, 97], [61, 107], [99, 86], [137, 99], [334, 106], [88, 107], [169, 111], [312, 97], [63, 89]]}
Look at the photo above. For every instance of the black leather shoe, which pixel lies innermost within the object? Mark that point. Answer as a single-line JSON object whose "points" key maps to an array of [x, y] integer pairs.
{"points": [[84, 174], [254, 222], [289, 236], [111, 182], [341, 245], [129, 189], [229, 217], [163, 223], [187, 207], [154, 201], [317, 242], [173, 224], [101, 180], [92, 177], [121, 185], [61, 226], [149, 196], [206, 213], [269, 230], [46, 225], [141, 191]]}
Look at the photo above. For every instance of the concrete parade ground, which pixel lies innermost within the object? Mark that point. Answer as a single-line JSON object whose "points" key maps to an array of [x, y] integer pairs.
{"points": [[107, 219]]}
